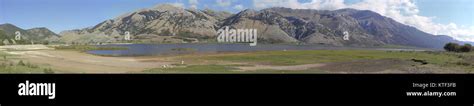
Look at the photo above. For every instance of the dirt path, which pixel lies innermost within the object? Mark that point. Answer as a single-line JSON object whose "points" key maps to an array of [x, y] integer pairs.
{"points": [[76, 62]]}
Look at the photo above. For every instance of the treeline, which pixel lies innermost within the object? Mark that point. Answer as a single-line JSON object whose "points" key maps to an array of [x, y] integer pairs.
{"points": [[454, 47]]}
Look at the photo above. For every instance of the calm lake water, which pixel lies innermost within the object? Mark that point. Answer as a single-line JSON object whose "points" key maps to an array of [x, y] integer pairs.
{"points": [[170, 49]]}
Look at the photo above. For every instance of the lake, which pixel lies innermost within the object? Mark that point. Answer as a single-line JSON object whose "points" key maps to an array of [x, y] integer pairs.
{"points": [[171, 49]]}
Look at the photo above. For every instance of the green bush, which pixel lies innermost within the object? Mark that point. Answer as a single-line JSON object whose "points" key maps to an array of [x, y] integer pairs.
{"points": [[48, 71], [451, 47], [466, 48], [21, 63], [454, 47]]}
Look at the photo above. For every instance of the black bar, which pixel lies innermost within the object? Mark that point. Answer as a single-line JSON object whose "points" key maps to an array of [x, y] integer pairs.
{"points": [[237, 88]]}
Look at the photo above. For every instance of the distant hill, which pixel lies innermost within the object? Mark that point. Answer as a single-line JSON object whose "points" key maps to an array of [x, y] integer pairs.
{"points": [[37, 35], [41, 32], [3, 35], [10, 30]]}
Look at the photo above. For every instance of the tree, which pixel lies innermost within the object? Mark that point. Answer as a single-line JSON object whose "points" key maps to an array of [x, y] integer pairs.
{"points": [[466, 48], [454, 47], [451, 47], [45, 42]]}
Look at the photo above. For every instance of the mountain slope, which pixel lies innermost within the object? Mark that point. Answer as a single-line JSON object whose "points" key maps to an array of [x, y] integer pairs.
{"points": [[43, 34], [10, 29], [163, 20], [366, 28], [267, 25], [162, 23], [3, 35]]}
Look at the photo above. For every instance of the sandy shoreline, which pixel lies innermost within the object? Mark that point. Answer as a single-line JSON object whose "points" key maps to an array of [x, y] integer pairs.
{"points": [[64, 61], [76, 62]]}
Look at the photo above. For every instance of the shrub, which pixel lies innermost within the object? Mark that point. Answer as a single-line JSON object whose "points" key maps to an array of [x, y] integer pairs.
{"points": [[21, 63], [454, 47], [48, 71], [45, 42], [451, 47], [466, 48]]}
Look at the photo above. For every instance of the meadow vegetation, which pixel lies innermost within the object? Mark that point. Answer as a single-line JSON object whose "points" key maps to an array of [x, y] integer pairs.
{"points": [[287, 58], [13, 64]]}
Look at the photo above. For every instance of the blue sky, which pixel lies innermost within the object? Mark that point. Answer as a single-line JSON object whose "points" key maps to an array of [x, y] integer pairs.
{"points": [[59, 15], [446, 11]]}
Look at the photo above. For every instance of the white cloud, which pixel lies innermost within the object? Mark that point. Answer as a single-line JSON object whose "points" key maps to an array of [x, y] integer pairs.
{"points": [[180, 5], [239, 7], [403, 11], [268, 3], [224, 3], [193, 4]]}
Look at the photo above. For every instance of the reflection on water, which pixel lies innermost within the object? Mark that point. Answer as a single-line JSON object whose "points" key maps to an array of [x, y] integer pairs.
{"points": [[165, 49]]}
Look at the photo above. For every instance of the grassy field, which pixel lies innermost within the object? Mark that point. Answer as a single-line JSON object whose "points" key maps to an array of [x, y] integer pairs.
{"points": [[327, 56], [446, 60], [195, 69], [13, 64], [221, 69], [397, 47]]}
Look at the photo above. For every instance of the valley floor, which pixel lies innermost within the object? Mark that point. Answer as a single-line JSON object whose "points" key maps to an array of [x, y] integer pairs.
{"points": [[298, 61]]}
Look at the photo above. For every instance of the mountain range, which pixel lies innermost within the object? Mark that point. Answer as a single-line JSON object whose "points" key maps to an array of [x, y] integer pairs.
{"points": [[167, 23], [35, 35]]}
